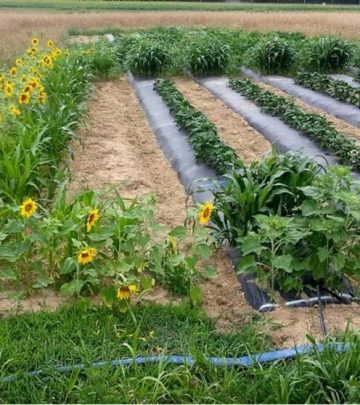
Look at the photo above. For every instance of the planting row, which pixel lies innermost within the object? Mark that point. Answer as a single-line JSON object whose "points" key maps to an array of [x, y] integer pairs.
{"points": [[313, 125], [213, 51], [289, 220], [338, 89]]}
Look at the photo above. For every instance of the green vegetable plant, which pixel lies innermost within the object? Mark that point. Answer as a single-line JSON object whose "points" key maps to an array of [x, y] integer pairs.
{"points": [[274, 55], [148, 58], [206, 55], [320, 242], [338, 89], [202, 133], [313, 125], [327, 54], [271, 186]]}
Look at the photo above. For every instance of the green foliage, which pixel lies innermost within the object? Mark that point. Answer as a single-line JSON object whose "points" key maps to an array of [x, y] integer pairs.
{"points": [[327, 54], [320, 241], [270, 186], [313, 125], [274, 55], [148, 58], [203, 136], [338, 89], [206, 55]]}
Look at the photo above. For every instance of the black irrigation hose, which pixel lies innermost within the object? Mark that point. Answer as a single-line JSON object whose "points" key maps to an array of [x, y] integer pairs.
{"points": [[321, 312]]}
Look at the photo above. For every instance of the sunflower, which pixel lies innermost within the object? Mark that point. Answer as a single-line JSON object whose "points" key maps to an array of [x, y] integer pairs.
{"points": [[42, 97], [34, 83], [19, 62], [24, 98], [32, 51], [13, 71], [9, 89], [86, 255], [14, 110], [28, 208], [126, 291], [50, 43], [2, 78], [91, 219], [205, 213], [34, 42], [27, 89]]}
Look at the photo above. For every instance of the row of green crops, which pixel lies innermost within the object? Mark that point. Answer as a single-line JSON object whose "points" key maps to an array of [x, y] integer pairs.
{"points": [[84, 244], [313, 125], [203, 136], [213, 51], [335, 88], [293, 224]]}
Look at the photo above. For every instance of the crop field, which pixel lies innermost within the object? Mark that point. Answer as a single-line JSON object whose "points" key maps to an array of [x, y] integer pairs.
{"points": [[179, 191]]}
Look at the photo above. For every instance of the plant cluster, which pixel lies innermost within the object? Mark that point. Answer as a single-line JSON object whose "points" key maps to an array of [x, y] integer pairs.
{"points": [[148, 58], [206, 55], [292, 223], [327, 54], [203, 136], [91, 245], [338, 89], [313, 125], [275, 55]]}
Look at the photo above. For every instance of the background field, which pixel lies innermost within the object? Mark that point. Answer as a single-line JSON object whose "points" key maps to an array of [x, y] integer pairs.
{"points": [[17, 26]]}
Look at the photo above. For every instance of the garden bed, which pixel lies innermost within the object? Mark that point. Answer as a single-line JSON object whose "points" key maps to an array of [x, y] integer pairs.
{"points": [[340, 110]]}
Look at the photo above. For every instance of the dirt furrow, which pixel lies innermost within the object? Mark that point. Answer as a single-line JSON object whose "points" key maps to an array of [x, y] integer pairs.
{"points": [[234, 130]]}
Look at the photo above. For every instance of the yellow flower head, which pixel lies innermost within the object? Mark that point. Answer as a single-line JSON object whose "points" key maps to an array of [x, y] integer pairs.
{"points": [[19, 62], [23, 78], [50, 43], [32, 51], [9, 89], [34, 42], [34, 83], [13, 71], [28, 208], [24, 98], [14, 110], [2, 78], [92, 219], [172, 243], [27, 89], [42, 97], [205, 213], [126, 291], [87, 255]]}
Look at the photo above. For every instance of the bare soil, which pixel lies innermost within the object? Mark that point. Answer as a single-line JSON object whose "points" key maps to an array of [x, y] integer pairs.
{"points": [[118, 149], [17, 26], [248, 144], [342, 126]]}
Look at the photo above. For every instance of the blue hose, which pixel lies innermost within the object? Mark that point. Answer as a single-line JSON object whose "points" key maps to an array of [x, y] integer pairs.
{"points": [[245, 361]]}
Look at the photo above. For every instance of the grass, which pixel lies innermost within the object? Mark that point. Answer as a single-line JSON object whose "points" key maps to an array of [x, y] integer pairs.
{"points": [[84, 333], [86, 5]]}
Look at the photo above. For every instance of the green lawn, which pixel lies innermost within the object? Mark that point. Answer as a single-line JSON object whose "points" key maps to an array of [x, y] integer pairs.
{"points": [[86, 5], [83, 333]]}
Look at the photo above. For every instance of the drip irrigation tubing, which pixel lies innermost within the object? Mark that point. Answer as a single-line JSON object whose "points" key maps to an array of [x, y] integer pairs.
{"points": [[245, 361]]}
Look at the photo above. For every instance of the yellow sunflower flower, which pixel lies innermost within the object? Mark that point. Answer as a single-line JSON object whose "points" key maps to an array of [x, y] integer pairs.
{"points": [[19, 62], [205, 213], [126, 291], [92, 219], [87, 255], [35, 42], [14, 110], [24, 98], [28, 208], [34, 83], [9, 89], [2, 78], [50, 43], [42, 97], [13, 71]]}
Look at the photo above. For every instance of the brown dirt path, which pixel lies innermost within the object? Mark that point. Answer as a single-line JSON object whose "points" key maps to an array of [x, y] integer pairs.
{"points": [[343, 127], [248, 144]]}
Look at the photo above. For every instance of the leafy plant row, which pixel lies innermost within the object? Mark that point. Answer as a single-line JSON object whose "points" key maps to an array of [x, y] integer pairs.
{"points": [[313, 125], [338, 89], [202, 133]]}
